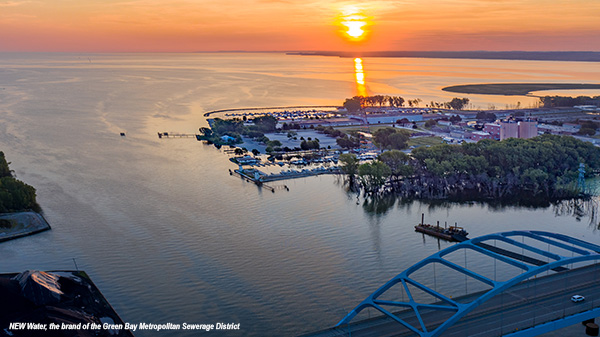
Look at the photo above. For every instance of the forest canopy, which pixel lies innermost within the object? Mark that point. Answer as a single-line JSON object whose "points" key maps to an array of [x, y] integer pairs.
{"points": [[15, 195], [546, 166]]}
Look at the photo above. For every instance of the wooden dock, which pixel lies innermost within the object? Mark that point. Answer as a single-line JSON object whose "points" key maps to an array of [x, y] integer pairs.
{"points": [[251, 179], [162, 135]]}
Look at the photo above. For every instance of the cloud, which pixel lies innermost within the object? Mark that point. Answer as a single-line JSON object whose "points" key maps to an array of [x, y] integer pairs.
{"points": [[13, 3]]}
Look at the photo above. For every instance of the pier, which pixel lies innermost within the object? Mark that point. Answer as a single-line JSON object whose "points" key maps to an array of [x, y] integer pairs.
{"points": [[260, 178], [162, 135]]}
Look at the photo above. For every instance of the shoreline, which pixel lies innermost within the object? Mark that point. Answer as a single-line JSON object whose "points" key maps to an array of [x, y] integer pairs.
{"points": [[568, 56], [207, 114], [24, 224]]}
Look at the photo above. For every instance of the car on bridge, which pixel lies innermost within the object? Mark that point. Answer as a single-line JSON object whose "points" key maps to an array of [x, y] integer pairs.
{"points": [[577, 298]]}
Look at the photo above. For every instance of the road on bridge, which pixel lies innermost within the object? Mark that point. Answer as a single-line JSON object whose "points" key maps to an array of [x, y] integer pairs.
{"points": [[527, 304]]}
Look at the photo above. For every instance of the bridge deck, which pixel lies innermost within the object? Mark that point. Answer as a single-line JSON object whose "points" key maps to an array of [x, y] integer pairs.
{"points": [[527, 304]]}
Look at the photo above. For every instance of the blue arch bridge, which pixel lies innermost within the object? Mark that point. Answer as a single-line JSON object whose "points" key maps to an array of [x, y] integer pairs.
{"points": [[517, 283]]}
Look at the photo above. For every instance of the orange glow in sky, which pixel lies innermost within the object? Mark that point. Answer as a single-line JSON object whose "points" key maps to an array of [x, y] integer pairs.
{"points": [[293, 25]]}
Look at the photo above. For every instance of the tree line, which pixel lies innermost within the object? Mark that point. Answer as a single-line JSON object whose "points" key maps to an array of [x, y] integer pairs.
{"points": [[542, 167], [357, 103], [567, 101], [15, 195]]}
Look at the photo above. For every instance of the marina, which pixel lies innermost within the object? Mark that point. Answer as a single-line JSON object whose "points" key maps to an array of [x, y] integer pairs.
{"points": [[144, 213]]}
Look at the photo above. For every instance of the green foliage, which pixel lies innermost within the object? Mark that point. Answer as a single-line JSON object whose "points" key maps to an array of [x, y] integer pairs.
{"points": [[273, 143], [310, 144], [349, 163], [586, 131], [538, 165], [348, 142], [222, 126], [391, 138], [265, 123], [567, 101], [395, 160], [206, 131], [15, 195], [588, 128], [430, 123], [373, 175]]}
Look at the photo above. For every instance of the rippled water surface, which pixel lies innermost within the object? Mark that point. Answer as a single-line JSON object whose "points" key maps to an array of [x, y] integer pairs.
{"points": [[169, 236]]}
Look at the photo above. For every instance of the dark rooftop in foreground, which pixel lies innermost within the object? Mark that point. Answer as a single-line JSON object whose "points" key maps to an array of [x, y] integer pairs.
{"points": [[58, 297]]}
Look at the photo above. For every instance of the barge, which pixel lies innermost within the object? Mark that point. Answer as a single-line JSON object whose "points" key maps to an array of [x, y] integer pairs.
{"points": [[452, 233]]}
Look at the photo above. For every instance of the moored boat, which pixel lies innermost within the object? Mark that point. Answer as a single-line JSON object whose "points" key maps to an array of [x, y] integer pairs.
{"points": [[452, 233]]}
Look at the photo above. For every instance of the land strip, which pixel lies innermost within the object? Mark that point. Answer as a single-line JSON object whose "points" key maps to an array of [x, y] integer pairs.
{"points": [[21, 224], [579, 56], [516, 89]]}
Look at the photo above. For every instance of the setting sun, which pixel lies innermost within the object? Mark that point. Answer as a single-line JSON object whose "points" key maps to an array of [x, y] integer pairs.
{"points": [[353, 22], [354, 28]]}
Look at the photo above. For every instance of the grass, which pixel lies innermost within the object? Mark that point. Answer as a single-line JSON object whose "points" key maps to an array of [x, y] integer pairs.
{"points": [[423, 141], [372, 128]]}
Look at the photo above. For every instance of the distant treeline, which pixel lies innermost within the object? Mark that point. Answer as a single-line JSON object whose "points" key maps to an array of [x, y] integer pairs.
{"points": [[567, 101], [542, 167], [584, 56], [15, 195], [358, 102]]}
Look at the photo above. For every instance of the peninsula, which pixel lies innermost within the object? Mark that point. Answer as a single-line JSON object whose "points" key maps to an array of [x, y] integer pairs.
{"points": [[516, 89], [18, 206]]}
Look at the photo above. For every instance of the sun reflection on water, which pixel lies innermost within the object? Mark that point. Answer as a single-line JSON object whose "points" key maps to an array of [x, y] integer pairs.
{"points": [[359, 73]]}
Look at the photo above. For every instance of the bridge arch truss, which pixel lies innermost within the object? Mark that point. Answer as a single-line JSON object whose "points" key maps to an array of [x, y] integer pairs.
{"points": [[547, 260]]}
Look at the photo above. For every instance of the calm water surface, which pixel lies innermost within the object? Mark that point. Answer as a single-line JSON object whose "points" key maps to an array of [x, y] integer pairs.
{"points": [[169, 236]]}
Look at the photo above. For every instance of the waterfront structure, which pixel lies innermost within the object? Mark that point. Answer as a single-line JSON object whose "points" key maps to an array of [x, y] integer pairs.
{"points": [[412, 304]]}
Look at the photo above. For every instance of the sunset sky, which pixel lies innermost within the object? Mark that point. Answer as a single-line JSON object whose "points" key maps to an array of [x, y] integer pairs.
{"points": [[282, 25]]}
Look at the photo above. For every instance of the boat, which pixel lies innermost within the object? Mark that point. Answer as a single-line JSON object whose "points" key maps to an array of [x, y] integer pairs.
{"points": [[452, 233]]}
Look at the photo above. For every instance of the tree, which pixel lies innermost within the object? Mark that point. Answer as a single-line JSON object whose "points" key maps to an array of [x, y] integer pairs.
{"points": [[352, 104], [206, 131], [15, 195], [347, 142], [429, 123], [309, 144], [455, 118], [255, 152], [486, 116], [391, 138], [349, 163], [373, 175], [265, 123], [458, 103], [395, 160]]}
